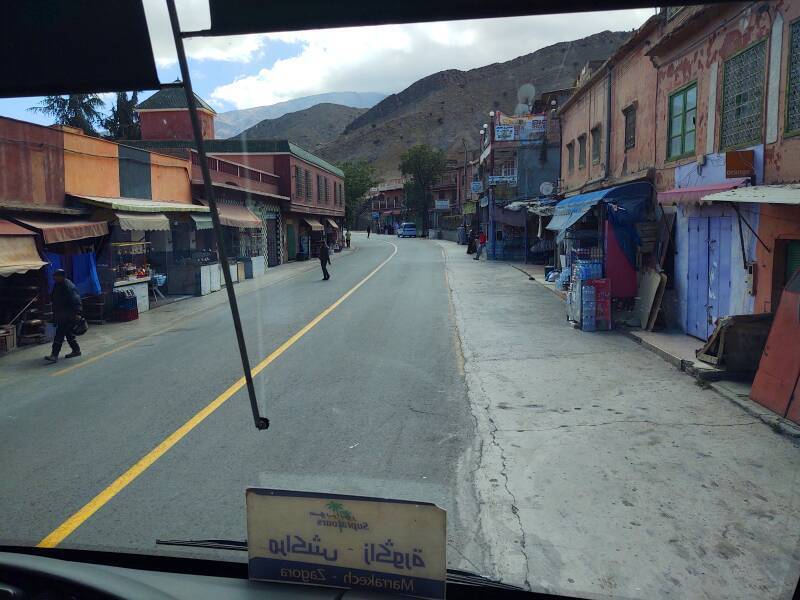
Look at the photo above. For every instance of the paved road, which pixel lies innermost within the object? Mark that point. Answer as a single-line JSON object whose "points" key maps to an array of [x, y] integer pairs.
{"points": [[369, 401]]}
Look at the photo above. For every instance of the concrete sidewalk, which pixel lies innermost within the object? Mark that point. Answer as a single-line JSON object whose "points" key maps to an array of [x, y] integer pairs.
{"points": [[104, 338], [602, 470]]}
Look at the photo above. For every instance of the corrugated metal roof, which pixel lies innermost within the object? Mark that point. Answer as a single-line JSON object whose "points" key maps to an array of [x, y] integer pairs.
{"points": [[767, 194]]}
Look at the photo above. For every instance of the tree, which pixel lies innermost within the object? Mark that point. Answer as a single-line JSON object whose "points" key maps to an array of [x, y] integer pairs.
{"points": [[76, 110], [123, 122], [359, 177], [424, 164]]}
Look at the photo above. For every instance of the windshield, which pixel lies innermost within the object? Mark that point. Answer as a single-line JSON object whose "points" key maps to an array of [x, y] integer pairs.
{"points": [[606, 404]]}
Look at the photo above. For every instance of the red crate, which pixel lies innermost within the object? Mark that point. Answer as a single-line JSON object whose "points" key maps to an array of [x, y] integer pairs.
{"points": [[602, 288], [126, 314]]}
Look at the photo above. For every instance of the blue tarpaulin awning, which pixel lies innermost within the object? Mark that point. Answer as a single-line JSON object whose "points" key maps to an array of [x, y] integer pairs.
{"points": [[569, 211]]}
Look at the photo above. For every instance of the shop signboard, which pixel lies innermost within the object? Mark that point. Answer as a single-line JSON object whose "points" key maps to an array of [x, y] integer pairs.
{"points": [[347, 542], [442, 204], [510, 180], [504, 133], [476, 187], [376, 215], [528, 128], [484, 202]]}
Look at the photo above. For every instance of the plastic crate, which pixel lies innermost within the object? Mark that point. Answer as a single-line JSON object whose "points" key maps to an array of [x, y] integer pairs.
{"points": [[8, 338]]}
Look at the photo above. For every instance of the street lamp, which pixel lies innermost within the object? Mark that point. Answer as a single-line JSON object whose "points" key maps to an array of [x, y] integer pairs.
{"points": [[491, 113]]}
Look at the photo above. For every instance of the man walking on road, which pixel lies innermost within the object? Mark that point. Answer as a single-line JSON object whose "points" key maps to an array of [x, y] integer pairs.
{"points": [[481, 245], [347, 238], [368, 230], [66, 309], [324, 260]]}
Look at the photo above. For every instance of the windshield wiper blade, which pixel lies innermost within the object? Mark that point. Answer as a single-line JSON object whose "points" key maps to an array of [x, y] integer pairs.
{"points": [[469, 578], [216, 544]]}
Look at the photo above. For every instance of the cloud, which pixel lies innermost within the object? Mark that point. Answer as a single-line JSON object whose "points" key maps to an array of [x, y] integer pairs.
{"points": [[193, 16], [388, 58]]}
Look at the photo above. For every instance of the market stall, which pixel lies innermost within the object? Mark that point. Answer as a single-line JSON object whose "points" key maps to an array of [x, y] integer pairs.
{"points": [[597, 240]]}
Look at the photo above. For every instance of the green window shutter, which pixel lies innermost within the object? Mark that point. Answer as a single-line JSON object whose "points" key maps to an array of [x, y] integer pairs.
{"points": [[792, 258]]}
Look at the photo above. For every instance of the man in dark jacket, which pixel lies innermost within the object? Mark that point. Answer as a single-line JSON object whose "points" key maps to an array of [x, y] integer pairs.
{"points": [[324, 260], [66, 308]]}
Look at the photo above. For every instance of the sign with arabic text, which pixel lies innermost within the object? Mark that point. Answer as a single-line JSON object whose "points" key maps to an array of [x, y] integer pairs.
{"points": [[476, 187], [504, 133], [347, 542], [510, 180], [441, 204]]}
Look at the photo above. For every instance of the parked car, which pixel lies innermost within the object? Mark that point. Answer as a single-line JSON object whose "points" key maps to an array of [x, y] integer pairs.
{"points": [[407, 230]]}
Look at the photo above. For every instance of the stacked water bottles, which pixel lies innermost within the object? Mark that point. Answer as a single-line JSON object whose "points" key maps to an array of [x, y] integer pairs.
{"points": [[587, 269], [588, 308], [563, 279]]}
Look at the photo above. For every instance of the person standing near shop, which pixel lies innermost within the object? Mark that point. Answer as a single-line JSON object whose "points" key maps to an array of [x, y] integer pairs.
{"points": [[347, 238], [481, 245], [66, 309], [324, 260]]}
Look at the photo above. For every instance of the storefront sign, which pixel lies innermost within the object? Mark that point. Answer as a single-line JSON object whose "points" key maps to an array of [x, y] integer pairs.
{"points": [[739, 163], [484, 202], [528, 128], [476, 187], [347, 542], [510, 180], [442, 204], [376, 215], [504, 133]]}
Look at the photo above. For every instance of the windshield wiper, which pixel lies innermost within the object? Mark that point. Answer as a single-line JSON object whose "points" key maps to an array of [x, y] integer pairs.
{"points": [[453, 575], [216, 544]]}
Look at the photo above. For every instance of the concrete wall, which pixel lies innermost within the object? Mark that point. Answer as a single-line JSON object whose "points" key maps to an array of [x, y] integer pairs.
{"points": [[777, 223], [31, 164], [173, 124], [91, 166], [169, 179]]}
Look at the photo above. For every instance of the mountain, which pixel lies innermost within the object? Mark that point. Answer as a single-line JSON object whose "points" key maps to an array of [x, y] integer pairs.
{"points": [[448, 106], [230, 123], [309, 128]]}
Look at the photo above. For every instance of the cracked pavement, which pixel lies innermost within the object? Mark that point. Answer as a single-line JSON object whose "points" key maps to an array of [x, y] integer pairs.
{"points": [[603, 471]]}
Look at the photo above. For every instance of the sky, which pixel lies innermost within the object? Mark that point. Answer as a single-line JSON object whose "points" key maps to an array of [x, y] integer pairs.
{"points": [[243, 71]]}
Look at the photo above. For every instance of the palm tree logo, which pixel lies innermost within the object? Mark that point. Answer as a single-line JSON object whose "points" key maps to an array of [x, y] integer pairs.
{"points": [[337, 508]]}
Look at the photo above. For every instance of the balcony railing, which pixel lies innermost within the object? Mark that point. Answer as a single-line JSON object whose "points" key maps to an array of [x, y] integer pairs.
{"points": [[223, 166]]}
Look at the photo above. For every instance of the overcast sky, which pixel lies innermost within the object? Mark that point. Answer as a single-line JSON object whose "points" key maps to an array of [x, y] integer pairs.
{"points": [[244, 71]]}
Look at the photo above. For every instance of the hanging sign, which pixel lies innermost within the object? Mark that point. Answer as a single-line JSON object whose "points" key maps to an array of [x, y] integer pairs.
{"points": [[503, 179], [442, 204], [476, 187], [347, 542], [739, 163], [504, 133]]}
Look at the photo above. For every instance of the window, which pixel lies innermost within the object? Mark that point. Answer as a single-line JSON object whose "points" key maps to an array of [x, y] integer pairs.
{"points": [[309, 189], [571, 156], [581, 151], [793, 80], [326, 194], [596, 139], [319, 188], [743, 97], [298, 181], [682, 111], [630, 126]]}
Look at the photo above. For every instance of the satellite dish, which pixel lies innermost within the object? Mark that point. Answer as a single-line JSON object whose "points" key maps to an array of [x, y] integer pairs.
{"points": [[525, 97], [546, 188]]}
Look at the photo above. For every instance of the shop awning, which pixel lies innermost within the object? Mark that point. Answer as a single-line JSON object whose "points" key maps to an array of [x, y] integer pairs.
{"points": [[697, 193], [314, 224], [54, 229], [236, 215], [569, 211], [141, 205], [764, 194], [18, 253], [202, 222], [142, 222], [333, 224]]}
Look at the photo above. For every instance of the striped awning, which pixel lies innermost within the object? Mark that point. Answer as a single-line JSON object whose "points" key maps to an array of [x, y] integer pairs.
{"points": [[332, 223], [142, 222], [202, 222], [18, 252], [54, 229], [314, 224]]}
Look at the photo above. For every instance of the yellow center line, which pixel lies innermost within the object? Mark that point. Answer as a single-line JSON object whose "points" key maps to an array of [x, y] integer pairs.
{"points": [[55, 537]]}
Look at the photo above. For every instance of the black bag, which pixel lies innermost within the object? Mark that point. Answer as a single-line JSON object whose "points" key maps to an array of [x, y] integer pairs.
{"points": [[80, 326]]}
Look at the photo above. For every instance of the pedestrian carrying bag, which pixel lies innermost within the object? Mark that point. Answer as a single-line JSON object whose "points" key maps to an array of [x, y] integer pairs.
{"points": [[80, 327]]}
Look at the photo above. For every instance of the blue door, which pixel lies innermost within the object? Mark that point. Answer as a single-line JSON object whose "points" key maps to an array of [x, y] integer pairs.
{"points": [[709, 285]]}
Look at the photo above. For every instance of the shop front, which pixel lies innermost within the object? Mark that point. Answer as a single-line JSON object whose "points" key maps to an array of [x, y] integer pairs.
{"points": [[597, 240], [245, 243], [24, 306], [332, 234]]}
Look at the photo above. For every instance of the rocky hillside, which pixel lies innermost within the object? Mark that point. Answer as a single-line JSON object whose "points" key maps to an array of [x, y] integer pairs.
{"points": [[446, 107], [309, 128], [233, 122]]}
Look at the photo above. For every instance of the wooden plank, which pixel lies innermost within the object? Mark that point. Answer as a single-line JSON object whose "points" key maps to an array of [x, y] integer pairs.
{"points": [[656, 306]]}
